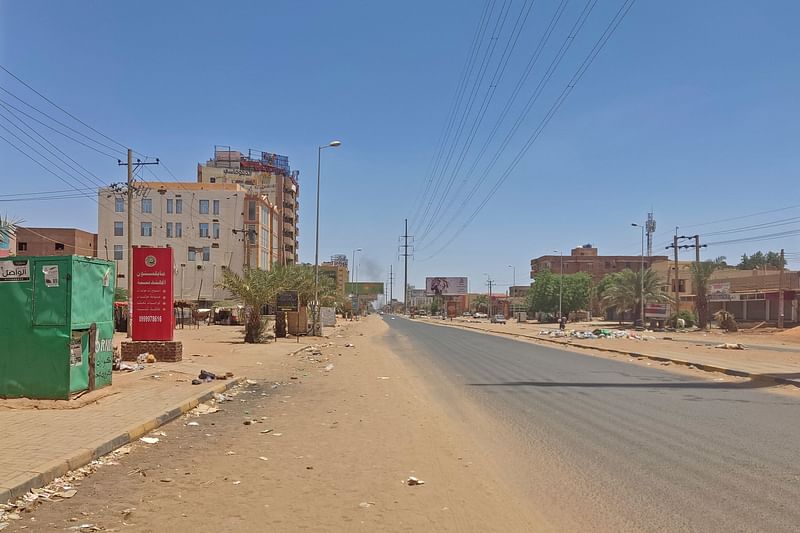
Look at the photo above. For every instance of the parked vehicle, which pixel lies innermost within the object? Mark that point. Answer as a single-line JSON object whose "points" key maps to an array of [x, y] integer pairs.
{"points": [[480, 315], [466, 313], [498, 319]]}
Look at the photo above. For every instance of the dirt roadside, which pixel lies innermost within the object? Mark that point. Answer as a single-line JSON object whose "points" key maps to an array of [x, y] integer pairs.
{"points": [[343, 441]]}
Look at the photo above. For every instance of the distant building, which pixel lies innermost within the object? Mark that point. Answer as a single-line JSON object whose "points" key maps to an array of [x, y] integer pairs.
{"points": [[339, 260], [210, 226], [261, 173], [56, 241], [338, 273], [586, 259]]}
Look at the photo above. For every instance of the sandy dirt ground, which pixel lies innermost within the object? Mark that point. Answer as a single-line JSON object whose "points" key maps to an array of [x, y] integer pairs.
{"points": [[303, 446]]}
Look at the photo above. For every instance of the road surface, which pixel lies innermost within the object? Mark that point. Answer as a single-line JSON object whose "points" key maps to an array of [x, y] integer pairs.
{"points": [[606, 444]]}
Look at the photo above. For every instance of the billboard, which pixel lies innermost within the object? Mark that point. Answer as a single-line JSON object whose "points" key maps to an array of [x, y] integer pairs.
{"points": [[365, 288], [152, 317], [719, 292], [656, 310], [288, 301], [445, 286]]}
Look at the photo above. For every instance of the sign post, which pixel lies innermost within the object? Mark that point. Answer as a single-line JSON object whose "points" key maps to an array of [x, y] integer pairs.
{"points": [[152, 295], [288, 301]]}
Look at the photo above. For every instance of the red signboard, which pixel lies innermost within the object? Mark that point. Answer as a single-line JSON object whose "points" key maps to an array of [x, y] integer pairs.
{"points": [[152, 316]]}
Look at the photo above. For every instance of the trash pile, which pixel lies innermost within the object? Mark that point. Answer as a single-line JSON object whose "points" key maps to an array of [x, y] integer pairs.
{"points": [[599, 333], [129, 366], [205, 377], [61, 488]]}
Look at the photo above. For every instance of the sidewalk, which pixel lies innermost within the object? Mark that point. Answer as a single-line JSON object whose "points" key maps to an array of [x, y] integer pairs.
{"points": [[43, 439], [774, 359]]}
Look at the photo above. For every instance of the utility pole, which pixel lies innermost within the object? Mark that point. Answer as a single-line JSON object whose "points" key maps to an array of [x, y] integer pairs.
{"points": [[405, 255], [675, 246], [780, 294], [130, 190], [391, 285], [490, 282], [248, 234]]}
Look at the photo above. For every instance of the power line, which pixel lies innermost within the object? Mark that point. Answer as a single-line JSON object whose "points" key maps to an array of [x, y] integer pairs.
{"points": [[497, 76], [452, 120], [61, 108], [574, 80], [534, 97], [39, 193], [451, 113], [6, 103], [85, 172]]}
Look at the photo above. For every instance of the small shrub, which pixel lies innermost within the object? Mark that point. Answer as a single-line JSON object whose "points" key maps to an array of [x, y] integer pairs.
{"points": [[687, 316]]}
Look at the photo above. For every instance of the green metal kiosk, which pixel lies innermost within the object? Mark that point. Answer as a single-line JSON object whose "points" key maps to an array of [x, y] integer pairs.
{"points": [[56, 325]]}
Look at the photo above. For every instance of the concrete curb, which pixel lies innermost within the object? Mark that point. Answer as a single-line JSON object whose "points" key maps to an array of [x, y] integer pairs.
{"points": [[701, 366], [47, 472]]}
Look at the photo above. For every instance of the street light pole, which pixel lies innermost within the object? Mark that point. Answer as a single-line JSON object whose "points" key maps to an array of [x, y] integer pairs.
{"points": [[332, 144], [513, 276], [641, 275], [560, 280]]}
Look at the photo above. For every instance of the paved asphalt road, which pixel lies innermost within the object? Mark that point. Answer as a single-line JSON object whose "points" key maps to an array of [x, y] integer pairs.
{"points": [[647, 449]]}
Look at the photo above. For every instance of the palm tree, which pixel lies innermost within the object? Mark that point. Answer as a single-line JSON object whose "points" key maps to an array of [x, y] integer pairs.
{"points": [[701, 274], [8, 228], [623, 290], [255, 289]]}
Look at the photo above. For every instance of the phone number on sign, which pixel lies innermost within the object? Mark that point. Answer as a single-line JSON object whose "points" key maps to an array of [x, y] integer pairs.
{"points": [[150, 318]]}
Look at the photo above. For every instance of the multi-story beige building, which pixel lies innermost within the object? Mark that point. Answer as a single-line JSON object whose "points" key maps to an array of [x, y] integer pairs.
{"points": [[210, 226], [265, 173], [56, 241], [338, 273]]}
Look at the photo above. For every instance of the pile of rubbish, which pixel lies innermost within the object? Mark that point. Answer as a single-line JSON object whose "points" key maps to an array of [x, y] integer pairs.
{"points": [[61, 488], [599, 333], [205, 377], [129, 366]]}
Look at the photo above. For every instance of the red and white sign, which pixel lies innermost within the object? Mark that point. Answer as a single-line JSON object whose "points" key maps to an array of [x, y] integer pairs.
{"points": [[152, 297]]}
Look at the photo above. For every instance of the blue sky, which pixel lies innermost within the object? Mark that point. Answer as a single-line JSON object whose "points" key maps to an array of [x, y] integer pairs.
{"points": [[691, 109]]}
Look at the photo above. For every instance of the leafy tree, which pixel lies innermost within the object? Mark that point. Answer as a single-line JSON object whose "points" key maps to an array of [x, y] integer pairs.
{"points": [[721, 261], [481, 303], [622, 290], [701, 274], [120, 294], [760, 260], [575, 292]]}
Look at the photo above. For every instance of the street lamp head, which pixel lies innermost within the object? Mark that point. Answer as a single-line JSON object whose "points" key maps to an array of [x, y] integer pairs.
{"points": [[334, 144], [634, 224]]}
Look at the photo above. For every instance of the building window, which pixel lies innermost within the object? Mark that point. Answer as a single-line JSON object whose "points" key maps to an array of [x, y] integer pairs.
{"points": [[118, 252], [169, 205], [22, 246], [147, 229], [251, 210], [215, 207], [206, 253], [212, 180], [178, 230], [203, 229], [169, 230], [119, 205], [215, 230], [147, 205], [178, 206], [203, 207], [251, 234], [118, 229], [192, 256], [59, 246]]}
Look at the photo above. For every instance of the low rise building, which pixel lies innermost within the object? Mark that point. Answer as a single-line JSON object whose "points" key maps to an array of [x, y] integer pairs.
{"points": [[56, 241], [210, 226], [336, 272], [586, 259]]}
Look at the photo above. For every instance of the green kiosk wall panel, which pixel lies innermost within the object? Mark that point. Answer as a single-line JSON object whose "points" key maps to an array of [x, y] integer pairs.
{"points": [[48, 305]]}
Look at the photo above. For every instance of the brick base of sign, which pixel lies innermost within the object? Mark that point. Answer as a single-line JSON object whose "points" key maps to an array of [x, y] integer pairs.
{"points": [[165, 351]]}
